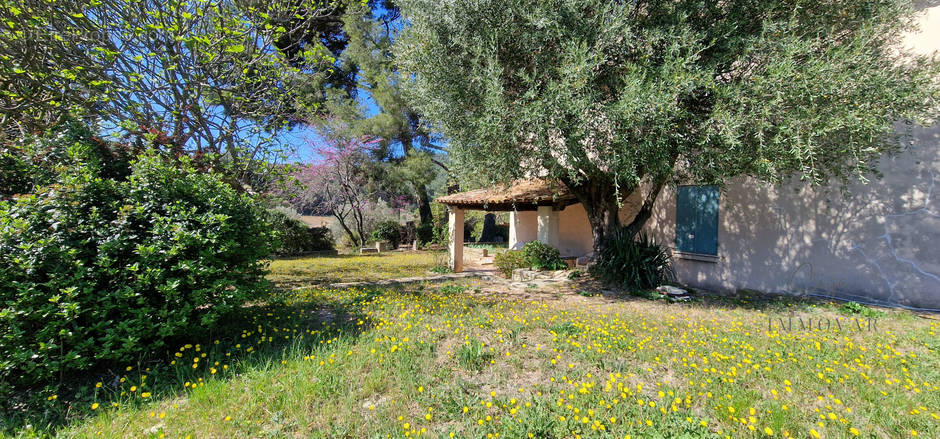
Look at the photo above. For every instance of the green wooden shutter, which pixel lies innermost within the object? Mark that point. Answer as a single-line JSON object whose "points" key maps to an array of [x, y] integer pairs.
{"points": [[685, 219], [697, 219]]}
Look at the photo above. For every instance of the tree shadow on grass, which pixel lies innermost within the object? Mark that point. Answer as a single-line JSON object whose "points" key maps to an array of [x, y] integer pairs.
{"points": [[305, 271], [254, 337], [743, 299], [332, 256]]}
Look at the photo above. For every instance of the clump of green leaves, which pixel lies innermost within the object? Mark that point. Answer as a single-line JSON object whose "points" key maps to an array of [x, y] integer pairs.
{"points": [[441, 269], [94, 271], [453, 289], [636, 264], [36, 161], [541, 256], [295, 238], [424, 233], [388, 231], [859, 309], [508, 261], [473, 356]]}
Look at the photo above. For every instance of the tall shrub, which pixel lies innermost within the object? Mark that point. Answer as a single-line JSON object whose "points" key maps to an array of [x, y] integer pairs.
{"points": [[388, 231], [294, 237], [635, 264], [96, 270], [508, 261], [542, 256], [37, 160]]}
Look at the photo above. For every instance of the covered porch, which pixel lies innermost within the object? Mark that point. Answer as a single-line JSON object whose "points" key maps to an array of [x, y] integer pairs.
{"points": [[539, 209]]}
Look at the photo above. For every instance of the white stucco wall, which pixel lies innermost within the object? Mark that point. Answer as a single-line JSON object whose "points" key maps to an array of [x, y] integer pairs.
{"points": [[574, 232], [881, 242], [523, 227], [572, 235]]}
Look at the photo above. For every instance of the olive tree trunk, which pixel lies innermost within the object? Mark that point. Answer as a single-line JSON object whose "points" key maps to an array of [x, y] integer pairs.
{"points": [[603, 209]]}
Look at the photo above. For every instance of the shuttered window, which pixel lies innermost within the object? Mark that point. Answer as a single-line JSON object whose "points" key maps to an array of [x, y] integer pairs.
{"points": [[697, 219]]}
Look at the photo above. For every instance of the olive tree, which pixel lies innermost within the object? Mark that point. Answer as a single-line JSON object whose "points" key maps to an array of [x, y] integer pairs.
{"points": [[615, 97]]}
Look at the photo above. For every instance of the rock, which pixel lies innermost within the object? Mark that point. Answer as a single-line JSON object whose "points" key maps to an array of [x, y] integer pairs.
{"points": [[585, 259], [671, 291], [674, 294], [523, 274]]}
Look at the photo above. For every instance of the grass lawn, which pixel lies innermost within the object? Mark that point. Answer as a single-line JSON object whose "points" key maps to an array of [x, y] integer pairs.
{"points": [[293, 272], [484, 360]]}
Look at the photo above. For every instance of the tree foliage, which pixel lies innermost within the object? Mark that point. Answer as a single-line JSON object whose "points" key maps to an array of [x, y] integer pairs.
{"points": [[341, 183], [208, 78], [612, 97], [93, 268], [297, 238], [404, 138]]}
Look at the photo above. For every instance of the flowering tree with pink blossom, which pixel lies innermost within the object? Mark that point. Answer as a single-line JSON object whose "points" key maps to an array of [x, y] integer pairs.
{"points": [[341, 183]]}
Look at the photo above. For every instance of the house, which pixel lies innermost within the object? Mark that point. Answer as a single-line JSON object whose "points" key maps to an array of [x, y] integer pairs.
{"points": [[538, 209], [879, 243]]}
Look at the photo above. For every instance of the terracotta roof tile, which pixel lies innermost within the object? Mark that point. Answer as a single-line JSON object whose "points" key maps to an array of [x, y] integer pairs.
{"points": [[519, 195]]}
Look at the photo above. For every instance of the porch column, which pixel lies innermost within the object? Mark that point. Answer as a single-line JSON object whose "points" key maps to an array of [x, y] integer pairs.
{"points": [[455, 233], [548, 226], [513, 225]]}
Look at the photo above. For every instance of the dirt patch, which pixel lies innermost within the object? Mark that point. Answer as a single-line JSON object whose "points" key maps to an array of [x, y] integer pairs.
{"points": [[448, 344]]}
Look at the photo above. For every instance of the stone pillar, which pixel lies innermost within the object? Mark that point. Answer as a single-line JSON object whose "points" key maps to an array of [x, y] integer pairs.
{"points": [[548, 226], [513, 225], [455, 231]]}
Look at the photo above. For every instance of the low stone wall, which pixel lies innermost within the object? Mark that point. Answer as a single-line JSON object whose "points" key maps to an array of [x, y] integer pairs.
{"points": [[528, 274]]}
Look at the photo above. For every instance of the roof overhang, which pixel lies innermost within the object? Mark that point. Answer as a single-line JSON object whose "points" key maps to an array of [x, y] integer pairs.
{"points": [[518, 196]]}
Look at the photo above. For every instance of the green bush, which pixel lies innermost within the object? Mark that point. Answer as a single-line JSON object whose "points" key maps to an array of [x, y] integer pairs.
{"points": [[294, 237], [15, 174], [858, 308], [441, 269], [96, 271], [633, 263], [440, 234], [389, 231], [542, 256], [508, 261], [424, 233], [37, 161]]}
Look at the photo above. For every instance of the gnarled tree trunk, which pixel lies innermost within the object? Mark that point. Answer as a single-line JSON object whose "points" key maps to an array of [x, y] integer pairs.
{"points": [[600, 202], [603, 209]]}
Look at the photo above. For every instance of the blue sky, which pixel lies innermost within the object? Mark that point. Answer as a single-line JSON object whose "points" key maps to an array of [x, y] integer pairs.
{"points": [[301, 136]]}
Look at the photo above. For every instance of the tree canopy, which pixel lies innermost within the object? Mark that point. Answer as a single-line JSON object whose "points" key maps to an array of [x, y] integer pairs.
{"points": [[197, 77], [615, 97], [404, 138]]}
